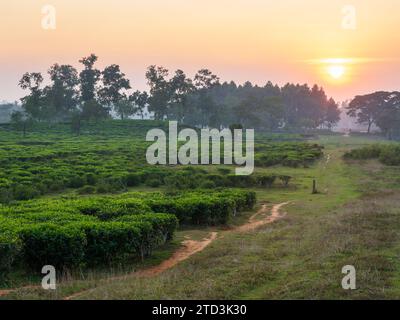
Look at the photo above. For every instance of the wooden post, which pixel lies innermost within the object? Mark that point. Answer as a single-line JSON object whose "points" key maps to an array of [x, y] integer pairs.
{"points": [[314, 187]]}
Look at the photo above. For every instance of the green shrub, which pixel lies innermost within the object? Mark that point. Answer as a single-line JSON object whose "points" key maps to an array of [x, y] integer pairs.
{"points": [[153, 182], [76, 182], [285, 179], [133, 180], [364, 153], [87, 190], [266, 180], [50, 244], [108, 241], [207, 185], [390, 155], [224, 171], [107, 209], [10, 247], [387, 154], [163, 226], [91, 179], [241, 181], [22, 192], [196, 209]]}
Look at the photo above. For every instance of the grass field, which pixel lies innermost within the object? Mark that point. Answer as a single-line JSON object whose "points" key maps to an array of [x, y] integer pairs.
{"points": [[354, 219]]}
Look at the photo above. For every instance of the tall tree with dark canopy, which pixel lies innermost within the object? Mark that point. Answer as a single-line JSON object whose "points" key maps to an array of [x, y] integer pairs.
{"points": [[181, 86], [160, 91], [61, 97], [32, 103], [203, 99], [88, 78], [388, 118], [140, 100], [124, 107], [366, 108], [332, 116], [113, 85]]}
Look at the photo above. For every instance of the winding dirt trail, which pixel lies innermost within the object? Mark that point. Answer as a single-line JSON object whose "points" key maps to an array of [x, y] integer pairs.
{"points": [[266, 219], [190, 247]]}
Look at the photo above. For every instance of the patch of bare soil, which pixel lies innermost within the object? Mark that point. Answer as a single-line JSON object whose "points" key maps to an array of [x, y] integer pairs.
{"points": [[255, 222], [189, 248]]}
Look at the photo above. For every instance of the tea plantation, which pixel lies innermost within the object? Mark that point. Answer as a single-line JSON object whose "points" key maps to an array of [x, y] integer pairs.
{"points": [[69, 200]]}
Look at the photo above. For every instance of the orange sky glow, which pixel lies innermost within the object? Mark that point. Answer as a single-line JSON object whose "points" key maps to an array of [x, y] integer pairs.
{"points": [[256, 40]]}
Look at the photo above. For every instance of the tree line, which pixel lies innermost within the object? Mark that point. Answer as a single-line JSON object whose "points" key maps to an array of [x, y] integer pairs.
{"points": [[203, 101], [381, 109]]}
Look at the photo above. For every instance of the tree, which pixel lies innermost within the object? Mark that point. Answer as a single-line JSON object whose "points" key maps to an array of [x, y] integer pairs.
{"points": [[140, 100], [21, 121], [88, 78], [180, 86], [366, 108], [61, 97], [257, 111], [160, 91], [317, 106], [93, 110], [124, 107], [388, 119], [332, 116], [113, 85], [205, 79], [203, 98], [32, 103]]}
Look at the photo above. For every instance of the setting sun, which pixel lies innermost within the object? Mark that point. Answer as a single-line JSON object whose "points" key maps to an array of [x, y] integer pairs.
{"points": [[336, 71]]}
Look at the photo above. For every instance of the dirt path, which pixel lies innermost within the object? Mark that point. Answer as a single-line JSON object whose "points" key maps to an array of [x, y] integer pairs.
{"points": [[266, 219], [190, 247]]}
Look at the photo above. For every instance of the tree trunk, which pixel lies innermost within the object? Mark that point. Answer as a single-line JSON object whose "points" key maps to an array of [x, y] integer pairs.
{"points": [[369, 127]]}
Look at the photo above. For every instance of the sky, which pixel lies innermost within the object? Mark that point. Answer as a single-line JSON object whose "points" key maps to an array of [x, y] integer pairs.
{"points": [[347, 50]]}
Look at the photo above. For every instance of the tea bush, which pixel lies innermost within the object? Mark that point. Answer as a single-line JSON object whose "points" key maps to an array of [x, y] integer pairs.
{"points": [[74, 232], [387, 154], [10, 247], [60, 246]]}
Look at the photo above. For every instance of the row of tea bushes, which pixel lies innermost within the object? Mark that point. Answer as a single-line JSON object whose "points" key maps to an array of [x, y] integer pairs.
{"points": [[199, 207], [388, 154], [74, 232], [78, 243], [186, 178], [107, 208], [290, 154]]}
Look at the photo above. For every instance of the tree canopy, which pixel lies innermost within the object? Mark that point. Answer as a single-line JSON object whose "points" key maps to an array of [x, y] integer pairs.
{"points": [[202, 101], [380, 108]]}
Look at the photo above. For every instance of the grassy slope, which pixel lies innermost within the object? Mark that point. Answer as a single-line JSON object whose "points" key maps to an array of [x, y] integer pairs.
{"points": [[353, 220]]}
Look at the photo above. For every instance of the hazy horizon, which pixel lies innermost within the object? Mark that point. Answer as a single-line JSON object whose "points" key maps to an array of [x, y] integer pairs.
{"points": [[254, 40]]}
